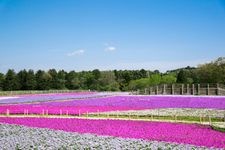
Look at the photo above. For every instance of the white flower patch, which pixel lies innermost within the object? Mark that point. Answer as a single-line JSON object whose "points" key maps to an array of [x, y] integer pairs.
{"points": [[171, 112]]}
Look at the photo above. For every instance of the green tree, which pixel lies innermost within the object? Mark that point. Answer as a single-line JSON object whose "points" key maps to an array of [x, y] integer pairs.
{"points": [[123, 78], [89, 80], [43, 80], [72, 80], [213, 72], [22, 77], [30, 80], [61, 80], [187, 76], [96, 73], [10, 82], [108, 82], [26, 80], [2, 78], [168, 79], [54, 79], [153, 80], [181, 77], [143, 73]]}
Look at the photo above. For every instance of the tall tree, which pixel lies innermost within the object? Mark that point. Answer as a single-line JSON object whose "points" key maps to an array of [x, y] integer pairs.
{"points": [[108, 81], [143, 73], [10, 82], [96, 73], [1, 81], [89, 80], [61, 80], [95, 85], [30, 80], [72, 80], [43, 80], [181, 77], [54, 79], [213, 72], [22, 77]]}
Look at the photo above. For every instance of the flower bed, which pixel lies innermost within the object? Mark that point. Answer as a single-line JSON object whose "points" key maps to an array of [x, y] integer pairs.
{"points": [[196, 112], [57, 110], [198, 135], [21, 137], [147, 102], [113, 103], [30, 98]]}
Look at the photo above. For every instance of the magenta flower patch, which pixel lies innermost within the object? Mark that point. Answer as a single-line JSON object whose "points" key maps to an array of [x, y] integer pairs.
{"points": [[198, 135]]}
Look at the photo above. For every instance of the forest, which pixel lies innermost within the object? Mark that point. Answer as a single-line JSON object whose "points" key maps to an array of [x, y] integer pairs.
{"points": [[112, 80]]}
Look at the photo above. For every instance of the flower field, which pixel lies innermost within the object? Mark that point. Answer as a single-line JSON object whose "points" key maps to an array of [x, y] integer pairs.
{"points": [[195, 112], [159, 131], [16, 111], [148, 102], [31, 98], [104, 104], [23, 137]]}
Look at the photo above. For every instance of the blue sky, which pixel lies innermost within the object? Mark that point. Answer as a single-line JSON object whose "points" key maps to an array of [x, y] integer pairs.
{"points": [[110, 34]]}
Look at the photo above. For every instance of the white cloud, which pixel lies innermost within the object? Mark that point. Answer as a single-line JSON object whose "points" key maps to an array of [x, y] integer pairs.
{"points": [[77, 52], [110, 48]]}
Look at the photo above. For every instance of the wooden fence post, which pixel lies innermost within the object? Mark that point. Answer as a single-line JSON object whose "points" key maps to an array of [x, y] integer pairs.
{"points": [[182, 89], [172, 89], [217, 89], [193, 89], [79, 113], [164, 89], [157, 90], [138, 91], [199, 89], [207, 92], [188, 89], [150, 90]]}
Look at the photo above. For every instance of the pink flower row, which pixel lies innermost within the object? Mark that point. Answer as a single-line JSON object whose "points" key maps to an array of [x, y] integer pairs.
{"points": [[170, 132], [56, 110]]}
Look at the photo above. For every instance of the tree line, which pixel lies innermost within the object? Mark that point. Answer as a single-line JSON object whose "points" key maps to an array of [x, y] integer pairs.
{"points": [[212, 72], [116, 80]]}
